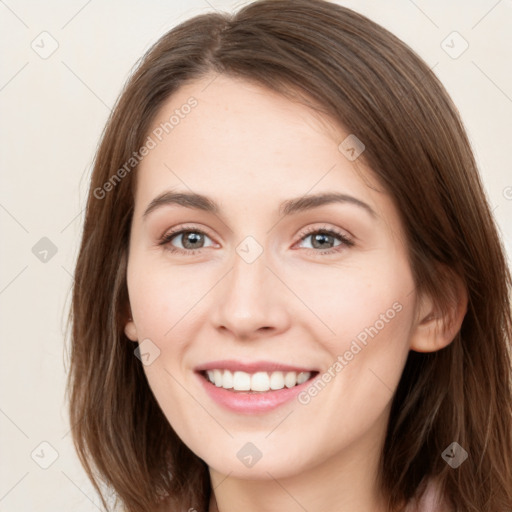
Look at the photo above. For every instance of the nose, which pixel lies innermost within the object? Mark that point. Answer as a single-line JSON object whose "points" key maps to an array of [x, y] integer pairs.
{"points": [[251, 302]]}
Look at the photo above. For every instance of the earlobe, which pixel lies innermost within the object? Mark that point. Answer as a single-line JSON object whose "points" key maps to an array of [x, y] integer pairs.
{"points": [[435, 329], [130, 330]]}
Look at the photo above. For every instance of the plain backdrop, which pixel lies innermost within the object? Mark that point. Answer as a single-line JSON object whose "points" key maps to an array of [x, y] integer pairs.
{"points": [[63, 65]]}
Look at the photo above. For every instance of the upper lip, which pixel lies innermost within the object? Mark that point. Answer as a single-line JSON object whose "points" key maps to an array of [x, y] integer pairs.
{"points": [[251, 367]]}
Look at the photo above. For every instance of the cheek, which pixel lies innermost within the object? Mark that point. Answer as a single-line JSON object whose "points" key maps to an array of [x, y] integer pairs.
{"points": [[150, 303], [370, 347], [161, 298], [368, 310], [348, 299]]}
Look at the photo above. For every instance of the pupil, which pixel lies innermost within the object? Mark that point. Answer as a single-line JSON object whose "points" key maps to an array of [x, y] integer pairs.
{"points": [[192, 237], [317, 239]]}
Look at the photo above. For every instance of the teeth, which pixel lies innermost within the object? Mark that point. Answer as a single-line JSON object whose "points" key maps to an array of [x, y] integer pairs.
{"points": [[227, 380], [259, 381], [290, 379], [277, 380], [217, 378], [303, 377], [241, 381]]}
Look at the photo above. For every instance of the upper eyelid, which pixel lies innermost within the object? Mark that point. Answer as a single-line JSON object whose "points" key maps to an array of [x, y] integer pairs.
{"points": [[306, 230], [338, 231]]}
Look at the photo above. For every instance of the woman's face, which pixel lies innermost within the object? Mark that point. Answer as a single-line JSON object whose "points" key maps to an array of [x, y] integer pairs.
{"points": [[257, 289]]}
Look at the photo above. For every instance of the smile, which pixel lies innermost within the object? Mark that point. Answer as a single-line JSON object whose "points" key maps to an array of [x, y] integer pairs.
{"points": [[259, 381], [253, 390]]}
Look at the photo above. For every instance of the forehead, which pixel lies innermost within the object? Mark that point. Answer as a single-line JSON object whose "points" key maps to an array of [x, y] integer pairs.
{"points": [[222, 135]]}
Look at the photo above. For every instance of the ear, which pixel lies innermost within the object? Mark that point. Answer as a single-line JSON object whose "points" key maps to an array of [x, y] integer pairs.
{"points": [[129, 327], [130, 330], [435, 329]]}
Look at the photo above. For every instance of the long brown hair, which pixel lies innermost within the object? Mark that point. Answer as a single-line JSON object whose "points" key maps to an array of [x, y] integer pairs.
{"points": [[370, 82]]}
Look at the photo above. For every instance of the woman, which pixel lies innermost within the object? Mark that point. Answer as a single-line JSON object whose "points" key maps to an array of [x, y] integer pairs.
{"points": [[224, 355]]}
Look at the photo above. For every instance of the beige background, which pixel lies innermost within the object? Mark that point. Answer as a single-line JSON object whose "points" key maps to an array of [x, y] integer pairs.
{"points": [[52, 112]]}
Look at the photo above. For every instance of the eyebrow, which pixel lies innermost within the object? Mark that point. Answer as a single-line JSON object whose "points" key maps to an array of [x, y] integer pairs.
{"points": [[287, 207]]}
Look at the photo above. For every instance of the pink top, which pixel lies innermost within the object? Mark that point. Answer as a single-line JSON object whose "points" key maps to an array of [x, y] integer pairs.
{"points": [[431, 501]]}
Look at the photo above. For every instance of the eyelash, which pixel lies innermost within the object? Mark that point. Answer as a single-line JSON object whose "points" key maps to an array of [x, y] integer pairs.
{"points": [[166, 239]]}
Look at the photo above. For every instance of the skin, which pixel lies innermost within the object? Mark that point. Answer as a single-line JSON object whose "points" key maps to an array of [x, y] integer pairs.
{"points": [[249, 149]]}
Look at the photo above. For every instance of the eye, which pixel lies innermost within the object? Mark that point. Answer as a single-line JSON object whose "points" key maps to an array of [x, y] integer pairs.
{"points": [[191, 240], [323, 238]]}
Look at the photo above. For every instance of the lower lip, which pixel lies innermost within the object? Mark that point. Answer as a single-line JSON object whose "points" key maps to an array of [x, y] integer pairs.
{"points": [[251, 402]]}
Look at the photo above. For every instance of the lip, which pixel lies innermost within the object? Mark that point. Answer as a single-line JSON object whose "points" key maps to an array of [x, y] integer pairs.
{"points": [[251, 402], [251, 367]]}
